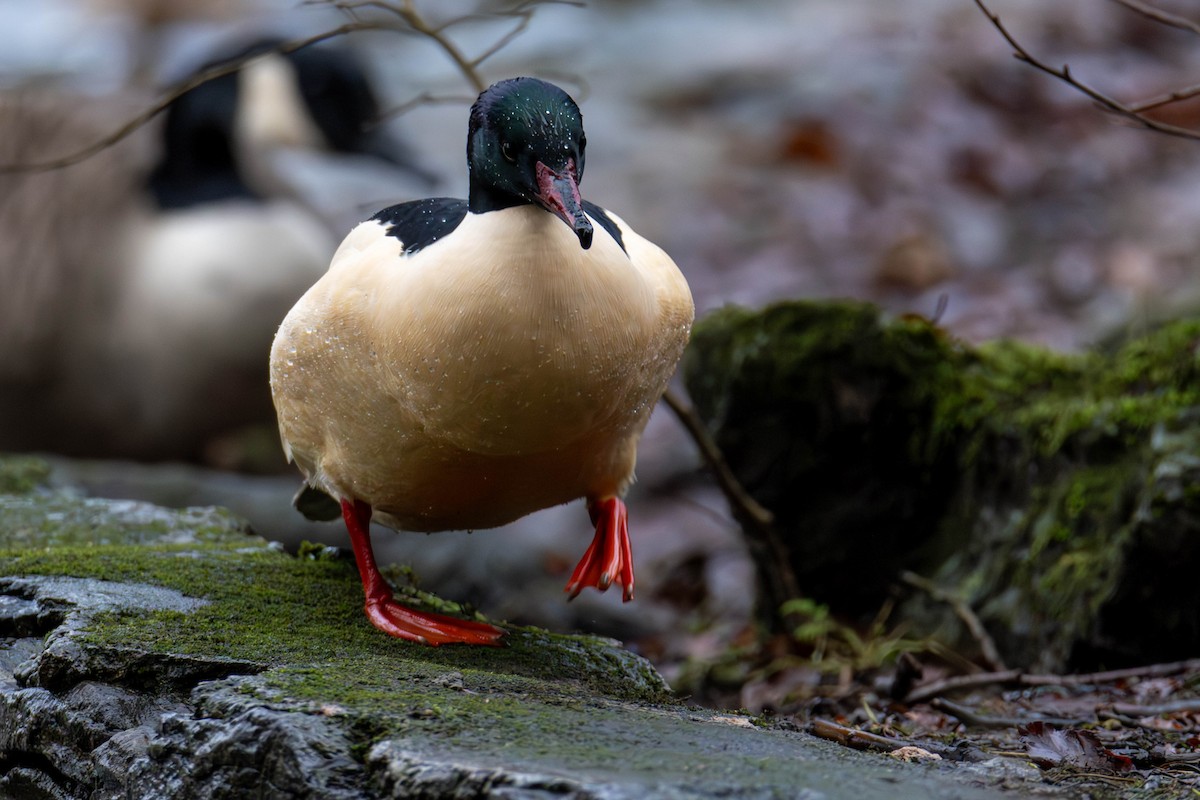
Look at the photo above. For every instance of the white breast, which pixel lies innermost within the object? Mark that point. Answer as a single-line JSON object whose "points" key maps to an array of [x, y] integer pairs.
{"points": [[531, 345], [502, 355], [194, 311]]}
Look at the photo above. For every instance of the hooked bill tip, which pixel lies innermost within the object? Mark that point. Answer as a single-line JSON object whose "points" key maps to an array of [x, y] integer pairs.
{"points": [[583, 229]]}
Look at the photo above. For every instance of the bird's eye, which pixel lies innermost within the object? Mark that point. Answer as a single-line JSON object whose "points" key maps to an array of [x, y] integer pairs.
{"points": [[582, 143], [509, 152]]}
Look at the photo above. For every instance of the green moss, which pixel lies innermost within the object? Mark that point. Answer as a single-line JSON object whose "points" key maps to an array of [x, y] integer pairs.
{"points": [[271, 608], [22, 474], [1025, 478], [1059, 400], [1081, 557], [1065, 446], [301, 620], [41, 520], [999, 386], [794, 352], [824, 411]]}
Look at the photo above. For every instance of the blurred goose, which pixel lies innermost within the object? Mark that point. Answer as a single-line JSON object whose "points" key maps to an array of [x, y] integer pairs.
{"points": [[142, 342], [464, 363]]}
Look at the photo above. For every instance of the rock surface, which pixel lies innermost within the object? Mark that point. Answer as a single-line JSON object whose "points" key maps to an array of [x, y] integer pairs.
{"points": [[150, 653]]}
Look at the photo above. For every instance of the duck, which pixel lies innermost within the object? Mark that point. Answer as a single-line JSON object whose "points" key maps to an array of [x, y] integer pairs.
{"points": [[466, 362], [146, 343]]}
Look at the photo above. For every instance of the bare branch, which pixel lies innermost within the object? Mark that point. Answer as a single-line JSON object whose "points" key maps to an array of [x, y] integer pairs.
{"points": [[768, 551], [405, 12], [852, 737], [987, 647], [1189, 706], [415, 23], [524, 15], [1166, 99], [408, 12], [1158, 15], [174, 94], [1101, 99], [1019, 678], [518, 10], [522, 23], [743, 504], [974, 719], [865, 740], [1174, 21], [424, 99]]}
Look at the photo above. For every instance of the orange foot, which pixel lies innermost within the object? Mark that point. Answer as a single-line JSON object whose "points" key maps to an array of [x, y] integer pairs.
{"points": [[609, 558], [426, 627], [393, 618]]}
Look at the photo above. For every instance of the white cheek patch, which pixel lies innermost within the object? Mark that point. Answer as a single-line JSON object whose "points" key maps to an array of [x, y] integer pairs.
{"points": [[271, 112]]}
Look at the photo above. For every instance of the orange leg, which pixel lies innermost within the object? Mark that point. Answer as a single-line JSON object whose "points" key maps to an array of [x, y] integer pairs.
{"points": [[609, 558], [389, 616]]}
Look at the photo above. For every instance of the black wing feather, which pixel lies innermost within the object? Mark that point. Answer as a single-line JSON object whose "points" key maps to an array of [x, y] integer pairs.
{"points": [[605, 221], [420, 223]]}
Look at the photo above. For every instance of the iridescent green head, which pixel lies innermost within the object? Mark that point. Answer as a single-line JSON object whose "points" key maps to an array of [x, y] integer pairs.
{"points": [[525, 145]]}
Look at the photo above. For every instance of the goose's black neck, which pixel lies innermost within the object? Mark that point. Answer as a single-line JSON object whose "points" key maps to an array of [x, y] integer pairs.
{"points": [[198, 164]]}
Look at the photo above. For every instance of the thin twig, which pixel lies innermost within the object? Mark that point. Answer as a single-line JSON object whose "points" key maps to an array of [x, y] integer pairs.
{"points": [[1189, 706], [417, 23], [864, 740], [177, 91], [958, 682], [1018, 678], [852, 737], [1165, 18], [969, 717], [962, 610], [424, 99], [469, 67], [738, 497], [1158, 15], [517, 30], [1101, 99], [1166, 99], [523, 13], [1149, 671], [406, 13], [758, 523], [1106, 715]]}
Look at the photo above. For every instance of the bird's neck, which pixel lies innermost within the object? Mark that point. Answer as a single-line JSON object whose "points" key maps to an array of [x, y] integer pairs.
{"points": [[482, 199]]}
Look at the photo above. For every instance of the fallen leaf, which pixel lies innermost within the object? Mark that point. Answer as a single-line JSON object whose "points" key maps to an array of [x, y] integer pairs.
{"points": [[739, 722], [810, 141], [1048, 746], [911, 753], [915, 262]]}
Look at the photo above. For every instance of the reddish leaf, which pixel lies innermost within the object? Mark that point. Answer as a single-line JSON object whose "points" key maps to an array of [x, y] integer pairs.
{"points": [[810, 141], [1048, 746]]}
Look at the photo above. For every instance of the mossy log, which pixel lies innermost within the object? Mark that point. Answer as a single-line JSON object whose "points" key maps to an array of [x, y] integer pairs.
{"points": [[1056, 494]]}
